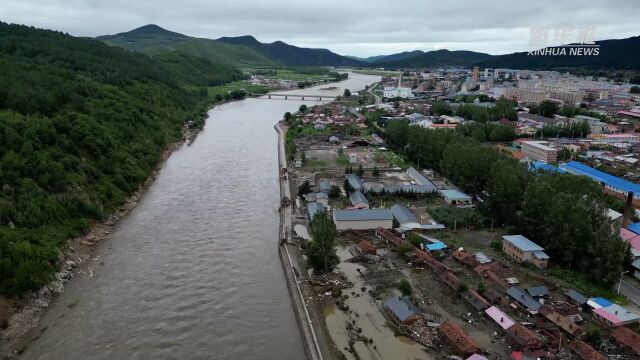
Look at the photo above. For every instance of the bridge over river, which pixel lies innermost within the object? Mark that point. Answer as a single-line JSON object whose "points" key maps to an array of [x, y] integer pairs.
{"points": [[295, 97]]}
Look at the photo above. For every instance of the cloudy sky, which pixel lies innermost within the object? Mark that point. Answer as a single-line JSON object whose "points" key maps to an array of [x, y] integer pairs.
{"points": [[349, 27]]}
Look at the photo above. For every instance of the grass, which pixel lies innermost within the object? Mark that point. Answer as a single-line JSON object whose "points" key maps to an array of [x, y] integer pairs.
{"points": [[237, 85], [287, 74], [342, 160], [309, 130], [395, 160], [579, 282]]}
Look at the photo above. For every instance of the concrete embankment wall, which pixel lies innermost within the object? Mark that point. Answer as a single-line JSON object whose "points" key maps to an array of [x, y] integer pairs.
{"points": [[302, 313]]}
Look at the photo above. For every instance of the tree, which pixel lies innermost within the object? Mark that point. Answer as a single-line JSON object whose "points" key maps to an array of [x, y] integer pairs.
{"points": [[287, 116], [347, 93], [305, 188], [405, 287], [415, 239], [635, 80], [303, 156], [635, 89], [321, 250], [302, 108], [360, 171], [375, 172], [548, 108], [335, 192], [348, 189]]}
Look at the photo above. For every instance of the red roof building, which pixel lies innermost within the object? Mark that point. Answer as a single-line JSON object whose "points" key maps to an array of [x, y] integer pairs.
{"points": [[627, 338], [365, 247], [458, 339], [585, 352], [523, 337]]}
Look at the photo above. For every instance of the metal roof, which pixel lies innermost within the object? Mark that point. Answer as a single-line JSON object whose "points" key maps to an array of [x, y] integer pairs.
{"points": [[576, 296], [617, 314], [354, 181], [500, 317], [539, 165], [455, 194], [601, 177], [436, 246], [363, 215], [601, 301], [522, 243], [403, 214], [635, 227], [539, 290], [357, 197], [325, 186], [401, 307], [314, 208], [523, 298], [419, 178]]}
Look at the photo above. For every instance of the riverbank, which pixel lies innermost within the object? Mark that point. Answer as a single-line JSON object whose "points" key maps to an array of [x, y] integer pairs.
{"points": [[22, 315]]}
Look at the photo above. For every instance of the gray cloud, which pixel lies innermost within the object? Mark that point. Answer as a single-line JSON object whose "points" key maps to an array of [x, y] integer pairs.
{"points": [[356, 27]]}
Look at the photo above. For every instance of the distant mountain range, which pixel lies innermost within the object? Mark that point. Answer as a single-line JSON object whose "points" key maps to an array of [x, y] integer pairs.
{"points": [[242, 50], [248, 51]]}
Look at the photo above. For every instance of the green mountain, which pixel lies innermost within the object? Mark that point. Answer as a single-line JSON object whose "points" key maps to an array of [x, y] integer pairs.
{"points": [[154, 40], [394, 57], [290, 55], [83, 125], [613, 54], [416, 59]]}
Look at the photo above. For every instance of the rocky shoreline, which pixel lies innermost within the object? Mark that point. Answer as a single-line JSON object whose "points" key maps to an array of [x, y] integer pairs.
{"points": [[23, 315]]}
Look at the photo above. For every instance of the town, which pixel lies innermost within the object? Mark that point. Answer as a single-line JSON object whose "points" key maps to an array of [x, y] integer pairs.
{"points": [[467, 214]]}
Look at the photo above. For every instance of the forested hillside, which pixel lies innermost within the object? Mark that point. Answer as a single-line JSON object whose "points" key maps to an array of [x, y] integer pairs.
{"points": [[82, 124]]}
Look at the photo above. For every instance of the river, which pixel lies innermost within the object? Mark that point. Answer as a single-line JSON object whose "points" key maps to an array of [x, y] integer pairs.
{"points": [[193, 271]]}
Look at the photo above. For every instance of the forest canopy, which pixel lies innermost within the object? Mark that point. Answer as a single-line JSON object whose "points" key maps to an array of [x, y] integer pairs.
{"points": [[82, 125]]}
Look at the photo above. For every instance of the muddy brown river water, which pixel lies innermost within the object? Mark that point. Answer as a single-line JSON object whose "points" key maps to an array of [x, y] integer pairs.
{"points": [[193, 271]]}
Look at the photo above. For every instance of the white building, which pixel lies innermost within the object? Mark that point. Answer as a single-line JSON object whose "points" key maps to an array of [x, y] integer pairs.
{"points": [[540, 150], [455, 197]]}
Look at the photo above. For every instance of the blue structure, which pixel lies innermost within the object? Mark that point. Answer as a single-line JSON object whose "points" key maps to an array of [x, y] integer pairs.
{"points": [[610, 181], [635, 227], [436, 246], [539, 165]]}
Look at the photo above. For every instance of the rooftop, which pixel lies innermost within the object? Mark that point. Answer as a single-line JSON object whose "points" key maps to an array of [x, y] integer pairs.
{"points": [[601, 177], [524, 299], [363, 215], [627, 338], [401, 307], [357, 197], [522, 243], [403, 214], [617, 314], [539, 290], [499, 317], [543, 145], [576, 296], [314, 208], [455, 194]]}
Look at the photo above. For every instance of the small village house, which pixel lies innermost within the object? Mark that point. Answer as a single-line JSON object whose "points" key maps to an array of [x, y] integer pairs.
{"points": [[401, 310], [366, 219], [522, 249]]}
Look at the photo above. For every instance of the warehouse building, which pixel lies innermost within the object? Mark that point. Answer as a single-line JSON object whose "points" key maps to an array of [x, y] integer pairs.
{"points": [[366, 219]]}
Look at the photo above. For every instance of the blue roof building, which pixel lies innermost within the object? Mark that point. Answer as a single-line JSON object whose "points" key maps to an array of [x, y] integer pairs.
{"points": [[355, 182], [401, 310], [609, 181], [524, 300], [359, 200], [635, 227], [314, 208], [403, 214]]}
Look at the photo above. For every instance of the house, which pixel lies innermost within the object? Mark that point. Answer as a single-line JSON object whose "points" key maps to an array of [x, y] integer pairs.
{"points": [[503, 320], [457, 338], [564, 322], [476, 300], [477, 357], [455, 197], [538, 292], [365, 219], [585, 352], [365, 247], [627, 338], [523, 299], [324, 186], [598, 302], [522, 249], [540, 150], [522, 337], [401, 310], [358, 200], [314, 208], [577, 298], [403, 215], [322, 198], [355, 182], [615, 315]]}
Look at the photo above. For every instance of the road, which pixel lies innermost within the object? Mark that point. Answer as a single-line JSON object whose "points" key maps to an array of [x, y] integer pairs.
{"points": [[631, 291]]}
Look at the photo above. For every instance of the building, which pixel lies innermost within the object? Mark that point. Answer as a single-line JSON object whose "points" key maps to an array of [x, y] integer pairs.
{"points": [[577, 298], [540, 150], [503, 320], [538, 292], [595, 124], [456, 197], [627, 338], [475, 75], [314, 208], [365, 219], [523, 338], [522, 249], [322, 198], [419, 179], [403, 215], [365, 247], [355, 182], [610, 182], [458, 339], [401, 310], [523, 299], [476, 300], [615, 315], [358, 200], [585, 352]]}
